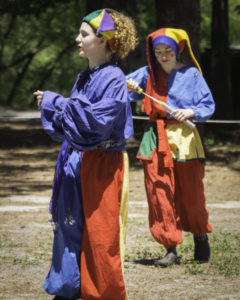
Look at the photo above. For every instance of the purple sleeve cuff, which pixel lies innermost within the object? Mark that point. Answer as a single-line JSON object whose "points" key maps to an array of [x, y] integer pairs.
{"points": [[51, 113]]}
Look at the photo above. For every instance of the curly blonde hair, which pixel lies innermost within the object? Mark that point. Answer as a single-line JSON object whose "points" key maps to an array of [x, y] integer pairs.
{"points": [[125, 34]]}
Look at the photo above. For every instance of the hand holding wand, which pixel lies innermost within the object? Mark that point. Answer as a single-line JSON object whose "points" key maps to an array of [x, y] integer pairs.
{"points": [[188, 123]]}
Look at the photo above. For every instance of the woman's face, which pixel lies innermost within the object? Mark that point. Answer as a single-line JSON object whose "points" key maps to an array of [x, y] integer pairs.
{"points": [[87, 41], [165, 55]]}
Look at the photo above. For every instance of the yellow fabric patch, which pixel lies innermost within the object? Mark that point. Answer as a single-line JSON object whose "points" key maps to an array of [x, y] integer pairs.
{"points": [[96, 23], [176, 34], [108, 34], [124, 209], [172, 35], [185, 144], [179, 35]]}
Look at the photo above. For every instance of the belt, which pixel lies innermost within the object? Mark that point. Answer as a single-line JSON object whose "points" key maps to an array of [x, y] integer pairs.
{"points": [[104, 145], [109, 144]]}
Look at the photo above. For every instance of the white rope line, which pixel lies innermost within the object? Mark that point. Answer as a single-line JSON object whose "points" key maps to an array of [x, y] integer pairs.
{"points": [[37, 116], [19, 117], [208, 121]]}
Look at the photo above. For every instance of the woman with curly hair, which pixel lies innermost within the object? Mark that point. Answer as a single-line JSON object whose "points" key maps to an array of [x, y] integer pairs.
{"points": [[91, 176]]}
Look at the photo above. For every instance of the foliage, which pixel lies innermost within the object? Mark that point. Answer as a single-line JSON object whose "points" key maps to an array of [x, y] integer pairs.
{"points": [[145, 18], [37, 48], [205, 25], [37, 42], [234, 23], [25, 7]]}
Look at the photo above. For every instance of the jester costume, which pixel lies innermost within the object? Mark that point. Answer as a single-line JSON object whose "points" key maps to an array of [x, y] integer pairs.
{"points": [[89, 204], [171, 153]]}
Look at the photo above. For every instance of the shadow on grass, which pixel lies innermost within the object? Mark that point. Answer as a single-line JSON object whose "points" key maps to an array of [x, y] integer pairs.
{"points": [[145, 261]]}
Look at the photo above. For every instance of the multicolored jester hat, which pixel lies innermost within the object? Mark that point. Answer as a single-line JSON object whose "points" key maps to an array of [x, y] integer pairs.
{"points": [[173, 37], [103, 23]]}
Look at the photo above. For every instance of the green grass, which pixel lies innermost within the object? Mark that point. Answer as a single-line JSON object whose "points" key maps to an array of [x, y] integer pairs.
{"points": [[225, 254], [24, 253]]}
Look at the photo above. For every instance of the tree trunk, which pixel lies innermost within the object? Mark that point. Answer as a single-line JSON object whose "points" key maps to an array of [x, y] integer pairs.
{"points": [[220, 60], [98, 4], [183, 14]]}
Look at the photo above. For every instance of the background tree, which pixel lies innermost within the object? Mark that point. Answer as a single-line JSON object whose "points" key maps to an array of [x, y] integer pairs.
{"points": [[182, 14], [220, 25], [220, 60], [37, 48]]}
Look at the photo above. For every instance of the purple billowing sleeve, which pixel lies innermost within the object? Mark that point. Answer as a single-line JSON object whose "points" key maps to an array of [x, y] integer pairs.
{"points": [[97, 110], [52, 105], [87, 122]]}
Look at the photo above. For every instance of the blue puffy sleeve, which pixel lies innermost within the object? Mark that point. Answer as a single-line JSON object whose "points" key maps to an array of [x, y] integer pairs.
{"points": [[204, 105], [187, 88], [140, 76], [96, 111]]}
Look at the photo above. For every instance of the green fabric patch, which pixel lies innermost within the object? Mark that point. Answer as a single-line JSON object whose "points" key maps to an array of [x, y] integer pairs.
{"points": [[149, 140], [92, 15]]}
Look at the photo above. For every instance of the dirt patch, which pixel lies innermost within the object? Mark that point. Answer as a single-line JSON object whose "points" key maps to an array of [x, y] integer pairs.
{"points": [[27, 160]]}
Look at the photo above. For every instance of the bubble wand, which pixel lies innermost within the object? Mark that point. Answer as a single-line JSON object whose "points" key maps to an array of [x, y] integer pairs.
{"points": [[188, 123]]}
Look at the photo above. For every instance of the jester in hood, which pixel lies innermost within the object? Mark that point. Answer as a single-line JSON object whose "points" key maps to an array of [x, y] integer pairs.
{"points": [[172, 154], [89, 203]]}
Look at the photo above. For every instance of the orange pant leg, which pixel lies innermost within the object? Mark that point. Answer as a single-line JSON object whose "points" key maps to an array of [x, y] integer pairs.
{"points": [[163, 221], [189, 197], [101, 269]]}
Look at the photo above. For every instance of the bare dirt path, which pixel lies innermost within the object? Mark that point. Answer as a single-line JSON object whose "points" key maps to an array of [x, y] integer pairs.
{"points": [[26, 172]]}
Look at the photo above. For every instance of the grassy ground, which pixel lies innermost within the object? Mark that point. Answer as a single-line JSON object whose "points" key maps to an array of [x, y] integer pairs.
{"points": [[26, 237]]}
